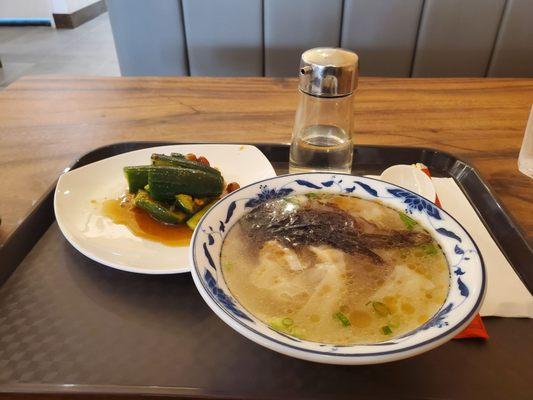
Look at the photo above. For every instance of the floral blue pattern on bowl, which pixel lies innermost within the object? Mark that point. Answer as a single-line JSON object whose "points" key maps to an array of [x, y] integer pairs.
{"points": [[467, 272]]}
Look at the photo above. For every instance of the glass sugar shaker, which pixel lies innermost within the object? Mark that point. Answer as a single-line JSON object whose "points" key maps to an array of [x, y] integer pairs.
{"points": [[322, 133]]}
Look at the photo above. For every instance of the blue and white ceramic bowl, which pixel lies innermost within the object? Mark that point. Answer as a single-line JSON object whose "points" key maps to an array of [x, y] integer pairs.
{"points": [[467, 272]]}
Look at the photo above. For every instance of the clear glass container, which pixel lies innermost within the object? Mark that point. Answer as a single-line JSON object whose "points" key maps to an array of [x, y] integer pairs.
{"points": [[322, 133]]}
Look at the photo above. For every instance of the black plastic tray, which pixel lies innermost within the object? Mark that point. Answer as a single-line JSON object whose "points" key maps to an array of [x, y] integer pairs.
{"points": [[69, 325]]}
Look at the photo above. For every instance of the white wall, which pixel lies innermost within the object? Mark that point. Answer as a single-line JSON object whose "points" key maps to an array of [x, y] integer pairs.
{"points": [[40, 8], [69, 6], [26, 9]]}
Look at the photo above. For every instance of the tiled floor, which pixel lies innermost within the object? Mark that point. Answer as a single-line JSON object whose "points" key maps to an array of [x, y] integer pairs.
{"points": [[86, 50]]}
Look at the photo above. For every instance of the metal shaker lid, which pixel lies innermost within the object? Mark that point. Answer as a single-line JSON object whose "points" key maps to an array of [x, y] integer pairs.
{"points": [[328, 72]]}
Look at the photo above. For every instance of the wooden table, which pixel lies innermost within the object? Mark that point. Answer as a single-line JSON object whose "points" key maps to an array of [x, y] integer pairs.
{"points": [[46, 122]]}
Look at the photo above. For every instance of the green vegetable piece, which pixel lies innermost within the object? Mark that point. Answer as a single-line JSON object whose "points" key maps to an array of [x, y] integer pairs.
{"points": [[342, 318], [177, 155], [291, 201], [169, 161], [193, 221], [296, 332], [311, 195], [137, 177], [386, 330], [228, 266], [186, 203], [408, 221], [278, 324], [287, 322], [166, 182], [429, 249], [157, 210], [380, 308]]}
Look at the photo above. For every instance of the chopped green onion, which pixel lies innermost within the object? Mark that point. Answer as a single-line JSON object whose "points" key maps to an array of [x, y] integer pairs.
{"points": [[228, 266], [386, 330], [380, 308], [286, 325], [429, 248], [287, 321], [342, 318], [296, 332], [276, 324], [311, 195], [291, 201], [408, 221]]}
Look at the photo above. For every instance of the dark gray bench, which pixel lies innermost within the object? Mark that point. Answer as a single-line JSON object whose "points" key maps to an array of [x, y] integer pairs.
{"points": [[265, 37]]}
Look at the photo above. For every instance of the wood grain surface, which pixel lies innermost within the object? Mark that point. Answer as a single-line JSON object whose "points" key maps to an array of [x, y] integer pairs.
{"points": [[46, 122]]}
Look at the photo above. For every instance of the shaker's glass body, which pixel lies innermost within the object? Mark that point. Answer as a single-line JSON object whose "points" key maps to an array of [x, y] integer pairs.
{"points": [[322, 134]]}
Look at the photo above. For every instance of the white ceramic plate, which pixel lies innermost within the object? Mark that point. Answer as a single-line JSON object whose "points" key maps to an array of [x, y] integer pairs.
{"points": [[79, 193], [412, 178]]}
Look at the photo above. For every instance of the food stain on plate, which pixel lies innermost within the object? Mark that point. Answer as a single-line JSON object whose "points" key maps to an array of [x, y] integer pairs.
{"points": [[121, 211]]}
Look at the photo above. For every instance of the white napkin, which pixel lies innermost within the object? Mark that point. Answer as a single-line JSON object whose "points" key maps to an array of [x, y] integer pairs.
{"points": [[506, 294]]}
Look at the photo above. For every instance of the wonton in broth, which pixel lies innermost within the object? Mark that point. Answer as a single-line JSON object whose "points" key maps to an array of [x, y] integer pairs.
{"points": [[335, 269]]}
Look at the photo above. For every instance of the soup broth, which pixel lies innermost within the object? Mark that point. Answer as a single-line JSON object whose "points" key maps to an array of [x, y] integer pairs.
{"points": [[335, 269]]}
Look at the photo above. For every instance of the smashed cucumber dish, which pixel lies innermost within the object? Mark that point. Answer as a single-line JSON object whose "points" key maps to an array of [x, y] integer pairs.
{"points": [[176, 188]]}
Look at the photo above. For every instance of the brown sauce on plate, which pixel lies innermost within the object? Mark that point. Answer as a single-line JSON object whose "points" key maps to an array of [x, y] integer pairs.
{"points": [[122, 212]]}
